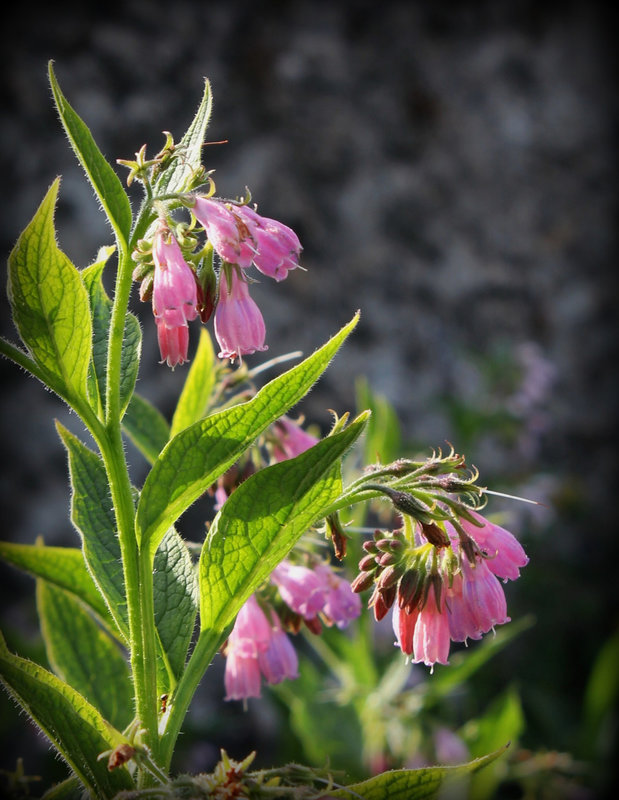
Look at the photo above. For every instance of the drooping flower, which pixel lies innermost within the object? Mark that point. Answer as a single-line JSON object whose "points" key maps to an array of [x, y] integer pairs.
{"points": [[257, 646], [342, 605], [277, 246], [291, 439], [504, 555], [241, 236], [239, 326], [304, 591], [230, 237], [174, 296], [279, 661]]}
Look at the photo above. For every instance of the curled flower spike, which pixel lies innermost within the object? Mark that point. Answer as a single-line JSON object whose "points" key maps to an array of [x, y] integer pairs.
{"points": [[174, 297], [239, 326]]}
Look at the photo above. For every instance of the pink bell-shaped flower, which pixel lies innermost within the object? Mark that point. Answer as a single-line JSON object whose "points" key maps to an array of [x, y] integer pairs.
{"points": [[239, 326], [174, 297]]}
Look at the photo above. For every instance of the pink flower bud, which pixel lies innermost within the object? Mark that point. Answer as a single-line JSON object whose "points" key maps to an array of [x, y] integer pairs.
{"points": [[239, 326], [300, 588], [279, 661]]}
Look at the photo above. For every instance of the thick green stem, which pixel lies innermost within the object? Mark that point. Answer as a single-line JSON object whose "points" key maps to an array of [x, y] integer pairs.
{"points": [[138, 578]]}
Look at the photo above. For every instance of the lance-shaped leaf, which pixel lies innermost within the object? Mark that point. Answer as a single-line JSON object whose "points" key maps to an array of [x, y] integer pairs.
{"points": [[105, 181], [50, 303], [262, 520], [146, 427], [92, 513], [188, 156], [196, 457], [193, 402], [101, 308], [428, 783], [83, 655], [176, 600], [63, 567], [75, 727]]}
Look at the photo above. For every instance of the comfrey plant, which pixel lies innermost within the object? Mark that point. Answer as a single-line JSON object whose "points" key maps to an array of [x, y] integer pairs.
{"points": [[118, 613]]}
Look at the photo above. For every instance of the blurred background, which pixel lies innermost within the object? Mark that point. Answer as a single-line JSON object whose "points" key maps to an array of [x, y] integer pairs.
{"points": [[450, 169]]}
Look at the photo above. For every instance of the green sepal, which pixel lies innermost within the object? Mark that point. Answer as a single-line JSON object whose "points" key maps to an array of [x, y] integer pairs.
{"points": [[75, 727], [260, 523], [83, 655], [198, 455], [105, 181], [50, 305]]}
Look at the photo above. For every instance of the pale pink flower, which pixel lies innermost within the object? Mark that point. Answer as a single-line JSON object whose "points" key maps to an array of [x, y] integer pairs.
{"points": [[300, 588], [342, 604], [431, 635], [279, 661], [504, 553], [292, 440], [277, 246], [249, 637], [229, 235], [483, 595], [462, 621], [239, 326], [174, 296]]}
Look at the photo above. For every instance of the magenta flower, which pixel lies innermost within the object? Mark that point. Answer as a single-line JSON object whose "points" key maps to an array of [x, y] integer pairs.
{"points": [[503, 552], [277, 246], [292, 440], [239, 326], [300, 588], [342, 604], [174, 297], [229, 235]]}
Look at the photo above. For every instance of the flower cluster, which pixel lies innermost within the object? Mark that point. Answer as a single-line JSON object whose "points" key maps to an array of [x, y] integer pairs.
{"points": [[181, 289], [258, 644], [443, 585]]}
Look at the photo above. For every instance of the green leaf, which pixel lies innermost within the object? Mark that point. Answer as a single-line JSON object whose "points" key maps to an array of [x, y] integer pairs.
{"points": [[188, 151], [50, 304], [600, 700], [74, 726], [105, 181], [191, 461], [146, 427], [63, 567], [92, 513], [262, 520], [176, 599], [83, 655], [101, 309], [193, 402], [502, 722], [429, 783]]}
